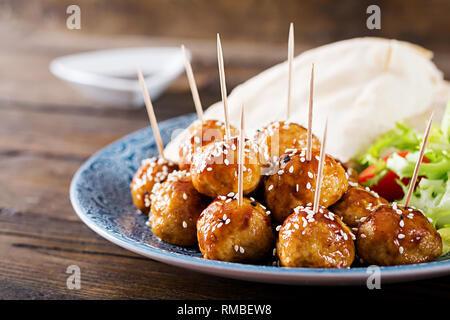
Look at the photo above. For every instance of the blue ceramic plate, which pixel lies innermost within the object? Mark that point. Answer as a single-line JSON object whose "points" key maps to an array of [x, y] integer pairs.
{"points": [[100, 195]]}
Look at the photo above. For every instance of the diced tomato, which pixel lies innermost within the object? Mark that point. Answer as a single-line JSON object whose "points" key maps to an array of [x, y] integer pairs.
{"points": [[387, 187]]}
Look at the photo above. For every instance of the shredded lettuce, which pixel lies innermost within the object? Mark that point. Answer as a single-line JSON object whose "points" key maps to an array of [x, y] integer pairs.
{"points": [[433, 197], [437, 168], [432, 194]]}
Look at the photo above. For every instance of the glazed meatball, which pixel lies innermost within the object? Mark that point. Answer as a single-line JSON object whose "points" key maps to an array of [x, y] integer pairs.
{"points": [[151, 171], [197, 136], [319, 240], [176, 205], [358, 202], [295, 181], [396, 235], [229, 232], [214, 170], [276, 137]]}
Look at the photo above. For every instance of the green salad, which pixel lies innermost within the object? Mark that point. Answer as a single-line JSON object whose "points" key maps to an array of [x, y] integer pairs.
{"points": [[390, 174]]}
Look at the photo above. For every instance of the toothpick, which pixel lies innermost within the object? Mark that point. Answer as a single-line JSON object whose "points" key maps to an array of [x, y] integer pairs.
{"points": [[223, 87], [241, 160], [192, 85], [320, 170], [310, 115], [290, 58], [419, 161], [151, 114]]}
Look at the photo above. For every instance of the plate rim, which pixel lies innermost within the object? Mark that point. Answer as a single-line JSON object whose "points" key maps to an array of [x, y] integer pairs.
{"points": [[261, 273]]}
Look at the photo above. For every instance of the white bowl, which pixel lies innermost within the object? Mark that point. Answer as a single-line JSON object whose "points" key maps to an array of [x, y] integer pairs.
{"points": [[110, 76]]}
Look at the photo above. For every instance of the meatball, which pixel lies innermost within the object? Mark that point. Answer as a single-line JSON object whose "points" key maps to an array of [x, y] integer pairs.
{"points": [[229, 232], [151, 171], [319, 240], [396, 235], [176, 205], [214, 170], [294, 183], [197, 136], [358, 202], [276, 137]]}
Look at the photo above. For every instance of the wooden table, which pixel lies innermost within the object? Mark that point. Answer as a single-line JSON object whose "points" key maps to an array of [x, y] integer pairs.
{"points": [[46, 132]]}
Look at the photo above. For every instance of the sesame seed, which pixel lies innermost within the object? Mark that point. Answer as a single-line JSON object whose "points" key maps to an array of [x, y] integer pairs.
{"points": [[401, 236], [241, 250], [228, 221], [402, 223], [310, 175], [184, 196], [308, 186], [270, 187], [400, 250], [236, 247], [291, 169], [231, 194], [278, 227], [184, 224]]}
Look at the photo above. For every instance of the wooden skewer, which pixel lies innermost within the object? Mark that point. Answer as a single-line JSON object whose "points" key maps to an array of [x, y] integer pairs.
{"points": [[192, 85], [290, 58], [320, 170], [310, 115], [151, 114], [419, 161], [223, 87], [241, 160]]}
